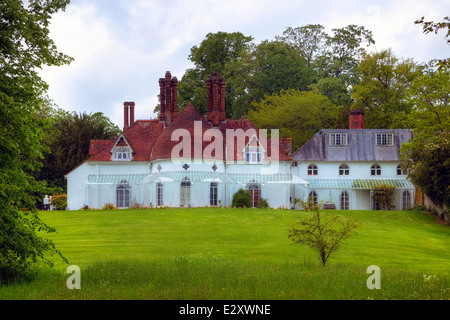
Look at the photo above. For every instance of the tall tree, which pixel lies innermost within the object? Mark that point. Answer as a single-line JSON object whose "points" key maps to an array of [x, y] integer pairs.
{"points": [[266, 69], [25, 46], [297, 114], [431, 26], [68, 139], [215, 52], [345, 49], [427, 157], [384, 81], [308, 40]]}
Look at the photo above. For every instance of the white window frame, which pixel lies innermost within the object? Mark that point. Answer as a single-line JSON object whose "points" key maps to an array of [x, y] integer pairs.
{"points": [[338, 139], [401, 171], [122, 154], [213, 193], [384, 139], [159, 194], [406, 200], [344, 170], [344, 200], [253, 155], [313, 170], [375, 170]]}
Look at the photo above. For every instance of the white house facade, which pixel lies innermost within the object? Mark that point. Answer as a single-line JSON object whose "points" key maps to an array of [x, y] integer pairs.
{"points": [[343, 166], [187, 160], [184, 160]]}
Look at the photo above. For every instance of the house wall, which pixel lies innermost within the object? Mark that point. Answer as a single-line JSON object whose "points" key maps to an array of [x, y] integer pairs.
{"points": [[358, 199], [330, 170], [96, 196], [277, 195]]}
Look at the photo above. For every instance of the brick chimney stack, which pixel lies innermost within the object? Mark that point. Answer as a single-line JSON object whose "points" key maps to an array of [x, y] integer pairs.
{"points": [[126, 108], [356, 119], [168, 88], [131, 104], [128, 114], [216, 98], [162, 98]]}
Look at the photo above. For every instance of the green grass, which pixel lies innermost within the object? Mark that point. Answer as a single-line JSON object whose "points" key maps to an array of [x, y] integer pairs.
{"points": [[216, 253]]}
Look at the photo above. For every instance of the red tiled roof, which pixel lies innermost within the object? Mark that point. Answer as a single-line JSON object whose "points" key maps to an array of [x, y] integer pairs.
{"points": [[149, 140], [141, 136], [185, 120], [97, 145]]}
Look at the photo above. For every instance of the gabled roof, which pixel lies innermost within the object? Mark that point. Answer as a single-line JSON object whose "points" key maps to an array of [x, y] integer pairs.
{"points": [[150, 141], [360, 147], [140, 137]]}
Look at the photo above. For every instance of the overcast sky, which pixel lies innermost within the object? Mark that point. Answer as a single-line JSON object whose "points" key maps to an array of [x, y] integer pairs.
{"points": [[122, 47]]}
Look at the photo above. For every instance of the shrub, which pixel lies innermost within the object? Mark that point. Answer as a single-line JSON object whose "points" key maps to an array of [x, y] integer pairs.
{"points": [[241, 199], [383, 195], [59, 201], [109, 206], [262, 203]]}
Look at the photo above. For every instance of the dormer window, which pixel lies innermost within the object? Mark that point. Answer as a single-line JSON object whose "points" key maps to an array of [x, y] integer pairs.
{"points": [[338, 139], [253, 155], [254, 152], [384, 139], [122, 154]]}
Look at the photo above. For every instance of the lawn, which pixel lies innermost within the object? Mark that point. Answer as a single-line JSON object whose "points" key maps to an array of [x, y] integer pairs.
{"points": [[218, 253]]}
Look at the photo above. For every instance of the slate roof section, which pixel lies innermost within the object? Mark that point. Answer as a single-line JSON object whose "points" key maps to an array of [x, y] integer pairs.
{"points": [[361, 146]]}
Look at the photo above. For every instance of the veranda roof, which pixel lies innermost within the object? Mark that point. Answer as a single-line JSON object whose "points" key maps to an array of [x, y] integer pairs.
{"points": [[362, 184], [178, 176], [115, 178], [244, 178]]}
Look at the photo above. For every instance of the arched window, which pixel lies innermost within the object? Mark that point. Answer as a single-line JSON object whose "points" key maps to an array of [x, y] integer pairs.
{"points": [[406, 200], [345, 201], [213, 194], [123, 194], [312, 170], [401, 171], [344, 170], [312, 198], [255, 192], [375, 170], [185, 192], [159, 194]]}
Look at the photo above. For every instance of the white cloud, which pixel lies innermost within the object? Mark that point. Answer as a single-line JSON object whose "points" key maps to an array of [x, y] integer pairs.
{"points": [[122, 48]]}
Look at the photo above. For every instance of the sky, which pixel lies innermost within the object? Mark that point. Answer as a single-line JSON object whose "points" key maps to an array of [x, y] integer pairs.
{"points": [[122, 47]]}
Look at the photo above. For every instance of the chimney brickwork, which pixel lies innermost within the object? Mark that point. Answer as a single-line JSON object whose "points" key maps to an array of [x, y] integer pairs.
{"points": [[356, 119], [216, 98], [168, 88]]}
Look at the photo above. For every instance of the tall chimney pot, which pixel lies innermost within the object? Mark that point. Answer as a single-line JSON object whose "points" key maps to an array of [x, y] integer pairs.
{"points": [[356, 119]]}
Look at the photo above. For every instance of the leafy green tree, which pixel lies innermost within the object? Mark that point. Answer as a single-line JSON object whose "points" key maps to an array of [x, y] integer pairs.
{"points": [[25, 46], [427, 157], [215, 52], [267, 69], [321, 233], [384, 82], [431, 26], [68, 139], [309, 41], [344, 51], [297, 114]]}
